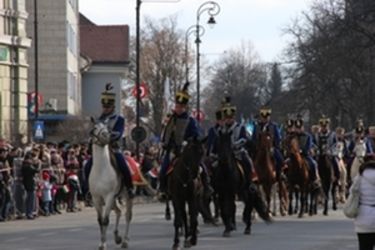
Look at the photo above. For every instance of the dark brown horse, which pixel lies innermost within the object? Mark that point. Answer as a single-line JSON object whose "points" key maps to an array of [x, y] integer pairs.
{"points": [[182, 187], [265, 169], [298, 176]]}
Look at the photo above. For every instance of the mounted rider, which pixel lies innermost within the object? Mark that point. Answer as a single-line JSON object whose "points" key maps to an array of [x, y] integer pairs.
{"points": [[212, 135], [359, 135], [265, 124], [179, 128], [116, 125], [325, 141], [289, 133], [239, 138], [305, 141]]}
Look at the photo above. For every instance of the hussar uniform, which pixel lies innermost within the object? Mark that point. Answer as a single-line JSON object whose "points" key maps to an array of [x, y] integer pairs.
{"points": [[116, 125], [179, 128]]}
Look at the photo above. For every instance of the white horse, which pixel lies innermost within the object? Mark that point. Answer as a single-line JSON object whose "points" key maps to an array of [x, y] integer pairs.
{"points": [[105, 187], [359, 153]]}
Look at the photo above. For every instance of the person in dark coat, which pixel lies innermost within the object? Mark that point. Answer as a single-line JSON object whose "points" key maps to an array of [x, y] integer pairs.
{"points": [[29, 169]]}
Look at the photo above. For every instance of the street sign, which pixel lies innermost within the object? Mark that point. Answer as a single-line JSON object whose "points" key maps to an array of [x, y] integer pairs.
{"points": [[138, 134], [199, 116], [143, 89], [39, 130]]}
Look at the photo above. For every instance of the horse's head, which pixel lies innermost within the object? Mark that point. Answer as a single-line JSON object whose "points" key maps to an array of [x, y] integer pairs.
{"points": [[294, 150], [224, 141], [100, 134], [193, 152]]}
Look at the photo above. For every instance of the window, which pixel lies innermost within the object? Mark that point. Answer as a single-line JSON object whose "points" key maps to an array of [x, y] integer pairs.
{"points": [[71, 39], [72, 85]]}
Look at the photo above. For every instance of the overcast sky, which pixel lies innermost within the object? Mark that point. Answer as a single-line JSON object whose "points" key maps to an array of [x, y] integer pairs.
{"points": [[258, 21]]}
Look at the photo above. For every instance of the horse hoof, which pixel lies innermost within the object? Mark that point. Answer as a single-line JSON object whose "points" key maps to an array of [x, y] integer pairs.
{"points": [[175, 247], [300, 216], [193, 241], [167, 217], [334, 207], [124, 244], [187, 244], [118, 239], [102, 247], [226, 233], [247, 231]]}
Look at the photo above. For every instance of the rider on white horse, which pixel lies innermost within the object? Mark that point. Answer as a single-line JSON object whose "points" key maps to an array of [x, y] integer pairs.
{"points": [[116, 125], [359, 147]]}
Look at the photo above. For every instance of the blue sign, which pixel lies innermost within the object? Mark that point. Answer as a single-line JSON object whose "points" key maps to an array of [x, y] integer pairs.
{"points": [[39, 130]]}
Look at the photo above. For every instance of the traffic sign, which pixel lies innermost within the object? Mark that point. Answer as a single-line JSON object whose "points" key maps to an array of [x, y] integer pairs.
{"points": [[142, 88], [138, 134], [39, 130]]}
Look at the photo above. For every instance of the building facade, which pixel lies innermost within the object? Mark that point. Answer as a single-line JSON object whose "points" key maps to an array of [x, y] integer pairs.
{"points": [[58, 58], [105, 59], [14, 43]]}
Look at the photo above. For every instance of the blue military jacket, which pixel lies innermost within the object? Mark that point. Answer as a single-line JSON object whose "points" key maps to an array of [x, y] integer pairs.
{"points": [[116, 125], [178, 129], [273, 129]]}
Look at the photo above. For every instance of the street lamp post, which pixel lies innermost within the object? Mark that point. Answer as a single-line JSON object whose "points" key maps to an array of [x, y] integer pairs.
{"points": [[189, 31], [213, 9]]}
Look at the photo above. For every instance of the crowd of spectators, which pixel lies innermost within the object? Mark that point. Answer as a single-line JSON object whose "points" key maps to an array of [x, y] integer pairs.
{"points": [[41, 179]]}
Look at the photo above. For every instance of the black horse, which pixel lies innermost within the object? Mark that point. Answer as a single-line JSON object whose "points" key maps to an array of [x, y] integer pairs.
{"points": [[229, 182], [182, 187]]}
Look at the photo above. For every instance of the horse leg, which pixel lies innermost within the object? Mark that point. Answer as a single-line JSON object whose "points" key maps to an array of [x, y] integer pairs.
{"points": [[274, 198], [128, 218], [282, 197], [225, 214], [326, 194], [334, 195], [343, 184], [98, 204], [118, 216], [167, 210], [303, 203], [246, 216], [193, 221], [177, 225], [290, 210], [216, 207], [297, 194]]}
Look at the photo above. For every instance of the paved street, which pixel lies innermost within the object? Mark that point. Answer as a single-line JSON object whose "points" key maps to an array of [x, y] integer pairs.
{"points": [[79, 231]]}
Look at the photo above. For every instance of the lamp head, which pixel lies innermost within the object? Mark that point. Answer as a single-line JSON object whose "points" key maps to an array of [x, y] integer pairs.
{"points": [[211, 22]]}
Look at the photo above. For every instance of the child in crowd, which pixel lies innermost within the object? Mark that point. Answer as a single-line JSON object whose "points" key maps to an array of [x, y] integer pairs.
{"points": [[46, 193]]}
